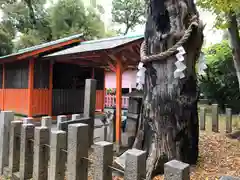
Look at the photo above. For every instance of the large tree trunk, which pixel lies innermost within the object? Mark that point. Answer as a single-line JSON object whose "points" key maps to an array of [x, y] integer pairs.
{"points": [[235, 42], [168, 127]]}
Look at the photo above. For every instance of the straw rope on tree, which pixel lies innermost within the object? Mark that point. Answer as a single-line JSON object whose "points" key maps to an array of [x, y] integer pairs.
{"points": [[168, 123]]}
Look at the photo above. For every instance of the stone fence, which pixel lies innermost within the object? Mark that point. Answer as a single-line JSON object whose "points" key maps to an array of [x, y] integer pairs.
{"points": [[215, 119], [37, 152]]}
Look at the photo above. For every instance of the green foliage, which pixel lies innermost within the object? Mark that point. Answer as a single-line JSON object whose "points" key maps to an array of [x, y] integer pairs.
{"points": [[28, 40], [66, 17], [221, 8], [37, 25], [94, 27], [220, 83], [128, 12], [6, 44], [69, 17]]}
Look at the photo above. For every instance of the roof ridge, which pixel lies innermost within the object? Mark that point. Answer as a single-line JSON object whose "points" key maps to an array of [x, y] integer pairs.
{"points": [[112, 38], [51, 42], [43, 45]]}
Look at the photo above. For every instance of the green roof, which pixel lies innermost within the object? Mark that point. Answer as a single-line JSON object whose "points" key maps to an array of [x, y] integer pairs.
{"points": [[96, 45], [44, 45]]}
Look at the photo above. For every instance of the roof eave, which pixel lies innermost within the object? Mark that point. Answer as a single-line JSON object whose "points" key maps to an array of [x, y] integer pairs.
{"points": [[72, 39]]}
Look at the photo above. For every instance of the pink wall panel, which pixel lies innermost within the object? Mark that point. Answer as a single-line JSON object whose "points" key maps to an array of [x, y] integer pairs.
{"points": [[128, 79]]}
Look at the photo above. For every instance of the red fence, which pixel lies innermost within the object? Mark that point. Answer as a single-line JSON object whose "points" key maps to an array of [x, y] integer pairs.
{"points": [[110, 101]]}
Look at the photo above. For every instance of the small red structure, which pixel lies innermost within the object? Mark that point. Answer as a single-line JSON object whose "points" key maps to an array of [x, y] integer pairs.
{"points": [[26, 81], [49, 79]]}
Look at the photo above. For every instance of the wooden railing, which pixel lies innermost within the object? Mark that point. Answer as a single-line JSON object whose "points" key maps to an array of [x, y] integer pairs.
{"points": [[110, 101]]}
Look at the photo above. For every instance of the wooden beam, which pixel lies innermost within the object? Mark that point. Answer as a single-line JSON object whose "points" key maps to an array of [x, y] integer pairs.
{"points": [[38, 51], [109, 61], [118, 103], [74, 56], [30, 86], [83, 63], [50, 88]]}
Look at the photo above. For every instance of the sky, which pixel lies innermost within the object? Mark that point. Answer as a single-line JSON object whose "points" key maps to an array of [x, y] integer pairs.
{"points": [[212, 35]]}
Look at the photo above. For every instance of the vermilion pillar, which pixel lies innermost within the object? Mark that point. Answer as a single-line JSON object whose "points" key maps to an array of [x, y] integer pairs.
{"points": [[50, 87], [3, 85], [118, 103], [104, 89], [30, 86]]}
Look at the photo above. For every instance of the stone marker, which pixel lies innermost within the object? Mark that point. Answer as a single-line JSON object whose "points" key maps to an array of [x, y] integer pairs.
{"points": [[202, 118], [103, 152], [14, 147], [228, 120], [229, 178], [28, 120], [60, 119], [215, 117], [46, 121], [89, 106], [5, 117], [176, 170], [76, 116], [41, 153], [77, 166], [26, 151], [57, 156], [135, 165]]}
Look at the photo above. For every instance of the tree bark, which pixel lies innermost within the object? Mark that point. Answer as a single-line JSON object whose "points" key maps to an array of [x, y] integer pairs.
{"points": [[168, 125], [235, 42]]}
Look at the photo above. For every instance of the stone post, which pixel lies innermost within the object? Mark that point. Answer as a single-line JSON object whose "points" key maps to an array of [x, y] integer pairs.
{"points": [[215, 117], [176, 170], [28, 120], [6, 117], [90, 105], [202, 118], [135, 165], [76, 116], [41, 153], [26, 153], [228, 120], [46, 121], [60, 119], [77, 166], [57, 156], [105, 131], [14, 147], [103, 152]]}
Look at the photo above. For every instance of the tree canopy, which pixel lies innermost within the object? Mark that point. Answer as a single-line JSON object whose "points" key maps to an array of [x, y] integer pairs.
{"points": [[221, 8], [227, 12], [6, 44], [37, 23], [128, 13], [220, 83]]}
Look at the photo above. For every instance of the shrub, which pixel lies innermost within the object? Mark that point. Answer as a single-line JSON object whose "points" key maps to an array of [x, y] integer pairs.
{"points": [[220, 83]]}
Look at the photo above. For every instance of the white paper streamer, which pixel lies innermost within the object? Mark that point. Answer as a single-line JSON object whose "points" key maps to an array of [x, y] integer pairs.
{"points": [[180, 66], [201, 64], [181, 50], [140, 76], [179, 57], [178, 73]]}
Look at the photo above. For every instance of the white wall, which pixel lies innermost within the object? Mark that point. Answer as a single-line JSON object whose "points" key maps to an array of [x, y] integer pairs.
{"points": [[128, 79]]}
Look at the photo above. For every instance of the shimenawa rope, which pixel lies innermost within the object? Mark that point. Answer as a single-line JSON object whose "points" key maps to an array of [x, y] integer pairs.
{"points": [[163, 55]]}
